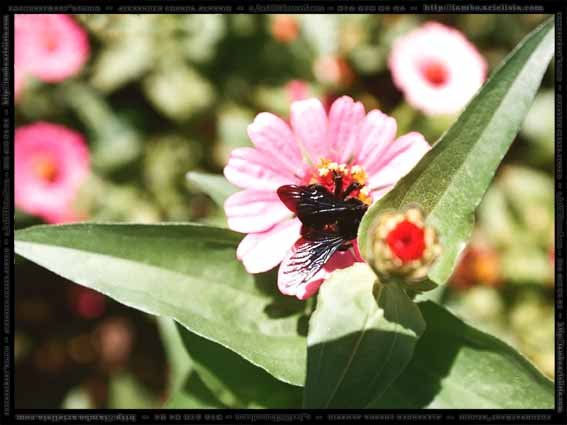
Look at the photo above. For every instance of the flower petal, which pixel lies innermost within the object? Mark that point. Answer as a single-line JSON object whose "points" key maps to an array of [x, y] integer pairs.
{"points": [[377, 132], [310, 288], [260, 252], [251, 168], [309, 123], [397, 159], [344, 118], [251, 211], [271, 135]]}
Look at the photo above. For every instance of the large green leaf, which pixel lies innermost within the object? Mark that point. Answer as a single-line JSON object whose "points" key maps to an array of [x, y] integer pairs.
{"points": [[361, 337], [451, 179], [184, 271], [234, 381], [458, 367]]}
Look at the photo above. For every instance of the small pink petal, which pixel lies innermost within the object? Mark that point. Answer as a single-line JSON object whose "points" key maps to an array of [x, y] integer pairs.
{"points": [[398, 159], [251, 211], [341, 260], [310, 288], [309, 123], [270, 134], [377, 132], [344, 118], [251, 168], [260, 252]]}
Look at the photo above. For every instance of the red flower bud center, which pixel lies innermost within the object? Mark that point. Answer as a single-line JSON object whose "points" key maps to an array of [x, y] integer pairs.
{"points": [[435, 73], [45, 168], [407, 241]]}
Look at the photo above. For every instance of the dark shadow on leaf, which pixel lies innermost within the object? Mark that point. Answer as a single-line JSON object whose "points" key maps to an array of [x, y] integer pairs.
{"points": [[194, 394], [433, 358], [362, 378], [303, 325], [444, 337], [247, 384], [281, 305]]}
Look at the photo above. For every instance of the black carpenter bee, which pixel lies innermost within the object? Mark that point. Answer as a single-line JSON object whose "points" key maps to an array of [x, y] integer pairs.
{"points": [[329, 223]]}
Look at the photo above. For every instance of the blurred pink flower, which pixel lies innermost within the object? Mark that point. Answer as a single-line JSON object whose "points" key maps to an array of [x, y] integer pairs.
{"points": [[297, 90], [363, 146], [284, 28], [436, 68], [333, 70], [50, 47], [85, 302], [51, 162]]}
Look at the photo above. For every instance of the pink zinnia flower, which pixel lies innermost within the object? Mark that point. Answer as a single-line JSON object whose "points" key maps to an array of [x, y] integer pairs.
{"points": [[50, 47], [362, 147], [436, 68], [51, 162]]}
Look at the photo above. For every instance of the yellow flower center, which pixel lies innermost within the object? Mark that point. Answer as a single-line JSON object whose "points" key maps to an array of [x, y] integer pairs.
{"points": [[327, 172], [45, 168]]}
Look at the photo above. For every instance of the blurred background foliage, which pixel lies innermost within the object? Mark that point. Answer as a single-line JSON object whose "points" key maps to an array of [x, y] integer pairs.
{"points": [[162, 95]]}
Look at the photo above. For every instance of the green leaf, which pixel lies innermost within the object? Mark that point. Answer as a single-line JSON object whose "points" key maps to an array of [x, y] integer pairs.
{"points": [[450, 181], [194, 395], [179, 362], [236, 382], [216, 186], [187, 272], [456, 366], [361, 337]]}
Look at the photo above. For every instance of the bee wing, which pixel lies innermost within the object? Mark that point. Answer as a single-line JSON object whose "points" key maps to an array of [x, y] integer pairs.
{"points": [[307, 258], [290, 195], [313, 204]]}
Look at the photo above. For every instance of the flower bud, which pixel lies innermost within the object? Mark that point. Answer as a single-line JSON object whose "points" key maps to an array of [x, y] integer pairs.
{"points": [[403, 245]]}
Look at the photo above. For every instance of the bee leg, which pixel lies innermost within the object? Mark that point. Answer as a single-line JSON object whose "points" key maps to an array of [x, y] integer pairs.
{"points": [[351, 187], [338, 181]]}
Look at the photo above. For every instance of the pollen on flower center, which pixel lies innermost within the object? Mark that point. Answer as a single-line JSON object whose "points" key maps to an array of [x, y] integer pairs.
{"points": [[327, 172], [45, 168]]}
